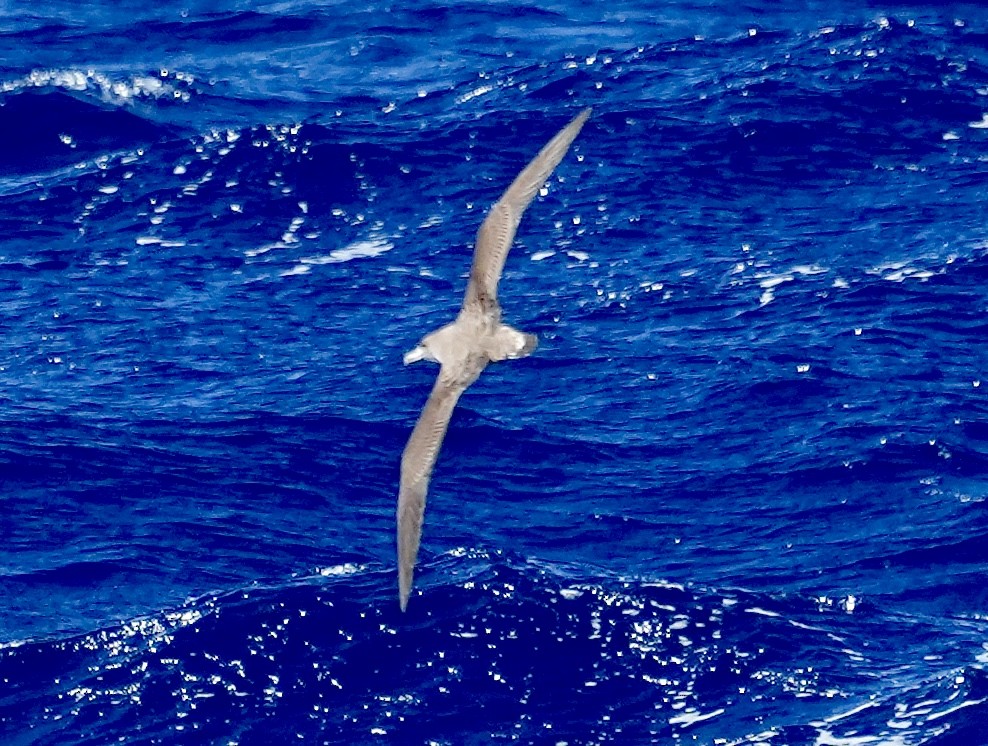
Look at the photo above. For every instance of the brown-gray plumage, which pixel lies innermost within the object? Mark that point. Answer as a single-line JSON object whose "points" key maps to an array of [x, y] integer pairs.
{"points": [[465, 347]]}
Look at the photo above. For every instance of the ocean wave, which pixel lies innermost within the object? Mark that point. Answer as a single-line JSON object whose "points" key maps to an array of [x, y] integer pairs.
{"points": [[55, 129], [736, 495], [616, 658], [111, 90]]}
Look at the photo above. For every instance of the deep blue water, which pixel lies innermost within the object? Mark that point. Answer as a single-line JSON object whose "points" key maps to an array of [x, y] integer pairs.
{"points": [[738, 496]]}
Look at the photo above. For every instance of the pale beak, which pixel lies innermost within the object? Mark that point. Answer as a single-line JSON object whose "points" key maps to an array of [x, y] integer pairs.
{"points": [[413, 356]]}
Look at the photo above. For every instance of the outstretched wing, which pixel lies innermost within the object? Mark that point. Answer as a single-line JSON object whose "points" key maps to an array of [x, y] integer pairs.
{"points": [[416, 467], [498, 230]]}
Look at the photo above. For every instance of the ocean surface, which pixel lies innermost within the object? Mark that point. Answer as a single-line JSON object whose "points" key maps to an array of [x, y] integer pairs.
{"points": [[739, 495]]}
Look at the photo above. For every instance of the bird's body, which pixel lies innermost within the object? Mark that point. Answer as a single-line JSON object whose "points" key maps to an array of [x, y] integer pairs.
{"points": [[465, 347]]}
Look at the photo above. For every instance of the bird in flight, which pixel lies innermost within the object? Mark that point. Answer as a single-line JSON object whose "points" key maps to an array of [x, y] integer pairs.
{"points": [[465, 347]]}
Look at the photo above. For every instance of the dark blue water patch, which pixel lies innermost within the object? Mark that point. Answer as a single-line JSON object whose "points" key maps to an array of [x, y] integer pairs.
{"points": [[156, 482], [49, 130], [559, 659], [228, 28], [736, 493]]}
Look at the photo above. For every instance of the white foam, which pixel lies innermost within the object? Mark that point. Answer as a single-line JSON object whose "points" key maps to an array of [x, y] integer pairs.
{"points": [[692, 716], [826, 738], [965, 703], [357, 250], [345, 569], [478, 91], [298, 269], [761, 612], [772, 282], [115, 91], [264, 249], [849, 713], [899, 272], [768, 282]]}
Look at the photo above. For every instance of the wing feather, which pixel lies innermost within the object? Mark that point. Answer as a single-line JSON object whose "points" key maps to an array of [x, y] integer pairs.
{"points": [[417, 462], [497, 232]]}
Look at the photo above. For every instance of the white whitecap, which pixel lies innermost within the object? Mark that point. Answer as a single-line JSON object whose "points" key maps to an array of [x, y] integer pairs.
{"points": [[771, 282], [264, 249], [479, 91], [982, 125], [298, 269], [761, 612], [357, 250], [347, 568], [692, 715]]}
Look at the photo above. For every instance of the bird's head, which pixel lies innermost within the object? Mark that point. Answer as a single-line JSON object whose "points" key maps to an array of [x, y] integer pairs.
{"points": [[423, 351], [441, 346], [420, 352]]}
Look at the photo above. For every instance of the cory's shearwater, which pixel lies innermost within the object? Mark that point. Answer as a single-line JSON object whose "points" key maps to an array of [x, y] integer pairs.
{"points": [[465, 347]]}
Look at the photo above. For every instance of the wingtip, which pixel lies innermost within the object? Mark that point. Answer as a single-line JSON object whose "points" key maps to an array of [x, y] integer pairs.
{"points": [[582, 117], [576, 124], [406, 572], [404, 591]]}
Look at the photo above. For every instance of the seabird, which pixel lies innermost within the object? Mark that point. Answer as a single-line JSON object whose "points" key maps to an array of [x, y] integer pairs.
{"points": [[465, 347]]}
